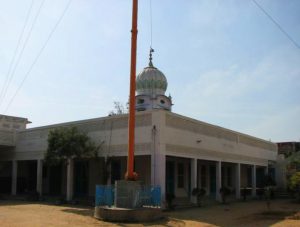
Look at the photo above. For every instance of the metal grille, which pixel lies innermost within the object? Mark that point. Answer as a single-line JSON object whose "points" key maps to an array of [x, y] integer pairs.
{"points": [[146, 196]]}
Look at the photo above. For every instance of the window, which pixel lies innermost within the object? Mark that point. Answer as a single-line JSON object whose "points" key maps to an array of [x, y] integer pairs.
{"points": [[180, 175], [115, 171], [141, 101]]}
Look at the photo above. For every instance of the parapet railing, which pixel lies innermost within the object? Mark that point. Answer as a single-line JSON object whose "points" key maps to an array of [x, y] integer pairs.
{"points": [[147, 196]]}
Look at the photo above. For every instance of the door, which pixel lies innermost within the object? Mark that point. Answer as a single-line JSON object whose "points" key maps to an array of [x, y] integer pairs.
{"points": [[81, 178], [170, 177], [55, 179], [115, 171]]}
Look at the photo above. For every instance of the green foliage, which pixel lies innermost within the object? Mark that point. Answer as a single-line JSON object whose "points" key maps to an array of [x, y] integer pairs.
{"points": [[294, 158], [67, 142], [293, 174], [294, 182], [293, 163], [294, 185]]}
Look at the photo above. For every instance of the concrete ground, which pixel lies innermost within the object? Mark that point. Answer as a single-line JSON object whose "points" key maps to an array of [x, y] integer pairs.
{"points": [[252, 213]]}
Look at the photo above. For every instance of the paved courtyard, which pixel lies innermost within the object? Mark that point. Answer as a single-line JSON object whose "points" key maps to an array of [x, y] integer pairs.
{"points": [[252, 213]]}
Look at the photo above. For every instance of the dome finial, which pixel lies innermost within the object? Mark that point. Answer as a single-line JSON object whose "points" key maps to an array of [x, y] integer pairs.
{"points": [[150, 57]]}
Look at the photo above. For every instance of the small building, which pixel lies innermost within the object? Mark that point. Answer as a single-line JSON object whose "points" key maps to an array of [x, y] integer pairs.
{"points": [[288, 148], [176, 152]]}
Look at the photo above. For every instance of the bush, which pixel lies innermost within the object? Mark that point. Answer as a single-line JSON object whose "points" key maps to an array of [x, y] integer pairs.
{"points": [[199, 193], [294, 185], [224, 191]]}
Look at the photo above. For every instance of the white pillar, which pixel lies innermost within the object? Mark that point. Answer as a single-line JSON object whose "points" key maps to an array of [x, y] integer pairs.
{"points": [[70, 176], [159, 174], [253, 168], [39, 177], [266, 170], [238, 181], [193, 178], [218, 180], [153, 181], [14, 177]]}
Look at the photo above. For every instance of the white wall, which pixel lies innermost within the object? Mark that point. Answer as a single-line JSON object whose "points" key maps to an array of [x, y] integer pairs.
{"points": [[183, 142]]}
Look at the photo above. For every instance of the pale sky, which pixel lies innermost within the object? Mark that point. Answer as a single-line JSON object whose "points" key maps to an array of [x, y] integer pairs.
{"points": [[226, 62]]}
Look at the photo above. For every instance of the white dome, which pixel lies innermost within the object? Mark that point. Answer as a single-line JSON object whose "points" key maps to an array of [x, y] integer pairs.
{"points": [[151, 81]]}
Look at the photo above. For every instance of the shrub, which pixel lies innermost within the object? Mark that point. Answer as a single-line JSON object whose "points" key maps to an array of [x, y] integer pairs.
{"points": [[199, 193], [224, 191]]}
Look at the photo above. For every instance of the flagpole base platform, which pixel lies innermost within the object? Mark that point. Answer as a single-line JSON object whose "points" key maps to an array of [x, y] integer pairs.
{"points": [[116, 214]]}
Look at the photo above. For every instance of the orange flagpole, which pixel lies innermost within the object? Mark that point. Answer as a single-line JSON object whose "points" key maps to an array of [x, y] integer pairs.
{"points": [[130, 175]]}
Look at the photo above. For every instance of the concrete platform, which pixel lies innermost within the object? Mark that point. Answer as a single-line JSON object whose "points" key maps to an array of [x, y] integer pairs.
{"points": [[116, 214]]}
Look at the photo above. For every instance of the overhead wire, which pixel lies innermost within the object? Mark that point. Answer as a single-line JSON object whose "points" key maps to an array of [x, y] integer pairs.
{"points": [[15, 51], [22, 50], [277, 24], [150, 8], [39, 54]]}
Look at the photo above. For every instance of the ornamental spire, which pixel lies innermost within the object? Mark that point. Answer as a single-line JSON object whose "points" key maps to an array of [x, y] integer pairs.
{"points": [[150, 57]]}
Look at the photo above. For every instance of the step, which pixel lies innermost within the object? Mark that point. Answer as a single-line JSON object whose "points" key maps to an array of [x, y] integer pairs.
{"points": [[183, 203]]}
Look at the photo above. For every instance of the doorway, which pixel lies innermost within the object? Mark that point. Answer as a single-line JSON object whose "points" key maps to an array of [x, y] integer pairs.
{"points": [[170, 177]]}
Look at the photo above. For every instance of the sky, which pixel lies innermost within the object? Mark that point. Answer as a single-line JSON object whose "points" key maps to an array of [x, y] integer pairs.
{"points": [[226, 62]]}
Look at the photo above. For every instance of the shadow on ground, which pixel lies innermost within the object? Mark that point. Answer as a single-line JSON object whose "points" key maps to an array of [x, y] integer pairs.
{"points": [[251, 213], [165, 221], [245, 214], [80, 211], [16, 202]]}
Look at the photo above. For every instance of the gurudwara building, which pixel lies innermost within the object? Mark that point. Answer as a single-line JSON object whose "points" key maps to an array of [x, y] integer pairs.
{"points": [[176, 152]]}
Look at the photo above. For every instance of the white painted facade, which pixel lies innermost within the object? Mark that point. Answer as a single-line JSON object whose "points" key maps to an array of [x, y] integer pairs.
{"points": [[161, 137]]}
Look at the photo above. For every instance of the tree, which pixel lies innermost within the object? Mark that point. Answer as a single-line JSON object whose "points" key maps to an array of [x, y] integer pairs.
{"points": [[293, 174], [119, 109], [295, 181], [68, 142], [293, 163]]}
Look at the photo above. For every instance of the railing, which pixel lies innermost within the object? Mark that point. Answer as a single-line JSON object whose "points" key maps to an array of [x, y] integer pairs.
{"points": [[146, 196], [105, 195]]}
